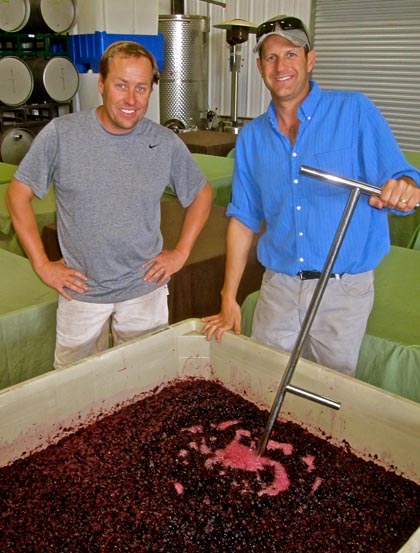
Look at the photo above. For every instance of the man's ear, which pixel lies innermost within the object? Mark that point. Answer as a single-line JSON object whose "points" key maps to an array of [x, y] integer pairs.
{"points": [[311, 60], [259, 64], [100, 84]]}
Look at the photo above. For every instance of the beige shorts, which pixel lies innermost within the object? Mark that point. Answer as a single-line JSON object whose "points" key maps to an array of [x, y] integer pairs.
{"points": [[84, 328], [339, 325]]}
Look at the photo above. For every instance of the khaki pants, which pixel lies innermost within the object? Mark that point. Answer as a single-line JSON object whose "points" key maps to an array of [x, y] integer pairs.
{"points": [[339, 325], [83, 328]]}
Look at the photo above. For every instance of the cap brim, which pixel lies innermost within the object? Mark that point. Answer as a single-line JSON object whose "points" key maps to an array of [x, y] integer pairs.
{"points": [[296, 37]]}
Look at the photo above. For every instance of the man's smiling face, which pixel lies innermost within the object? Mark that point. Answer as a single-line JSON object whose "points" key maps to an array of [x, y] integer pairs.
{"points": [[125, 93], [285, 68]]}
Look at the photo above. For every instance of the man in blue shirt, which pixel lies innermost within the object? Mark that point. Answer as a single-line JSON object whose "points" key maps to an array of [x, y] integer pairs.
{"points": [[338, 132]]}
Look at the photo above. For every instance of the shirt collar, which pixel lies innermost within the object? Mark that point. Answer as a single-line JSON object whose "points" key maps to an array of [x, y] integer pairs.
{"points": [[306, 109], [309, 104]]}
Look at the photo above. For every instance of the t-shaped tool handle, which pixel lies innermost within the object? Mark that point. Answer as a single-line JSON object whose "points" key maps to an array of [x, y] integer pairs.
{"points": [[335, 179], [366, 188]]}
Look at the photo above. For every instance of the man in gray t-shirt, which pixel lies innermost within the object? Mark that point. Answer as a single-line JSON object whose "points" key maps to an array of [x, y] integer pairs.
{"points": [[109, 167]]}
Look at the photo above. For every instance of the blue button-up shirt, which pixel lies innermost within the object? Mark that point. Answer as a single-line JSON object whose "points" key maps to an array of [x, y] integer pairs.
{"points": [[342, 133]]}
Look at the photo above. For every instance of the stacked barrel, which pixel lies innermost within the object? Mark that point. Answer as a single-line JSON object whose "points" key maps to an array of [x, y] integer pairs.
{"points": [[37, 79]]}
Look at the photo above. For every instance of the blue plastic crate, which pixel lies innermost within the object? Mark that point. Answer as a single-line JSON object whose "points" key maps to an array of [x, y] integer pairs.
{"points": [[86, 49]]}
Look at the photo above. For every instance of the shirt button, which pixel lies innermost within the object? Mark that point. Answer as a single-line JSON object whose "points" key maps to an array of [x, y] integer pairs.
{"points": [[301, 259], [294, 154], [299, 207], [300, 233], [295, 181], [309, 117]]}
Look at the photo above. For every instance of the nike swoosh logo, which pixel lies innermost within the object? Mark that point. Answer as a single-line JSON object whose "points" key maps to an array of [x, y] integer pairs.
{"points": [[151, 146]]}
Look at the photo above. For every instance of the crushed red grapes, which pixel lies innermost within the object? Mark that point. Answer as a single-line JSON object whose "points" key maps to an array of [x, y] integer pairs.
{"points": [[160, 476]]}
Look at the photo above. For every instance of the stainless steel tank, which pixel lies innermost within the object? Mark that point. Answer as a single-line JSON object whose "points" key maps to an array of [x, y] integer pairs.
{"points": [[14, 144], [38, 16], [184, 79]]}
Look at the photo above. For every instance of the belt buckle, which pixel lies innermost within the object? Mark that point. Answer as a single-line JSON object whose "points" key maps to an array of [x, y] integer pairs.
{"points": [[314, 275], [308, 275]]}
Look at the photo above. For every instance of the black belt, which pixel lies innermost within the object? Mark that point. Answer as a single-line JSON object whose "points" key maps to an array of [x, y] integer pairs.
{"points": [[312, 275]]}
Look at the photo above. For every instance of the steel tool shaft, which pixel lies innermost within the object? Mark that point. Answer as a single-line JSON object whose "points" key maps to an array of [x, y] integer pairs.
{"points": [[356, 189]]}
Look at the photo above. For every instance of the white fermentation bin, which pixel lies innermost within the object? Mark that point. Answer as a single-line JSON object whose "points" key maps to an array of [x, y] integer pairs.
{"points": [[35, 413]]}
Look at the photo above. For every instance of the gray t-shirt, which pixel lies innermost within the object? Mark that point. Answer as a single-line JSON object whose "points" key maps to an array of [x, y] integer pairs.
{"points": [[108, 189]]}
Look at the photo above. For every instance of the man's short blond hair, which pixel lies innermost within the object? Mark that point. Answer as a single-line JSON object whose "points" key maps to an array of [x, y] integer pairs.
{"points": [[127, 49]]}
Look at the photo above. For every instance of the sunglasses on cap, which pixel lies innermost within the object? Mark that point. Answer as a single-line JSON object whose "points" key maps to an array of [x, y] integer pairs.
{"points": [[285, 23]]}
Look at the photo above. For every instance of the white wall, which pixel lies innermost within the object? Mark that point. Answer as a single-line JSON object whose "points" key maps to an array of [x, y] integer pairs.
{"points": [[164, 6]]}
